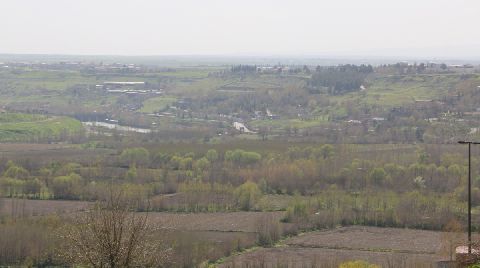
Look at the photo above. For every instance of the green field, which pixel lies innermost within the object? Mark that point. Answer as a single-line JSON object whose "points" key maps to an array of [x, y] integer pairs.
{"points": [[16, 127], [281, 123], [399, 90], [157, 104]]}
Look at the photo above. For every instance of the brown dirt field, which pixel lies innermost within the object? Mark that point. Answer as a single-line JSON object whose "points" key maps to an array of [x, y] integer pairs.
{"points": [[222, 222], [218, 222], [211, 235], [25, 207], [372, 239], [246, 239], [388, 247], [41, 154], [309, 257], [210, 245]]}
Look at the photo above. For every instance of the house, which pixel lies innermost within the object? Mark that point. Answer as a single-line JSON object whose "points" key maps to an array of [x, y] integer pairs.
{"points": [[123, 84], [241, 127], [354, 122], [270, 115], [128, 88]]}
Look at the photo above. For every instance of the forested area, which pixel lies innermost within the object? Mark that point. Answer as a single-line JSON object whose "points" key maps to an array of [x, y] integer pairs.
{"points": [[244, 180], [341, 79]]}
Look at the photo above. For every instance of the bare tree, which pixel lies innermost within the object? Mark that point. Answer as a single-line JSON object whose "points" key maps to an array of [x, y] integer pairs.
{"points": [[112, 235], [268, 230]]}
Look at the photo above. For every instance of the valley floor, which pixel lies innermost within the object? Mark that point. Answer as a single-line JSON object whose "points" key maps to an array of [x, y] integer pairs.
{"points": [[388, 247]]}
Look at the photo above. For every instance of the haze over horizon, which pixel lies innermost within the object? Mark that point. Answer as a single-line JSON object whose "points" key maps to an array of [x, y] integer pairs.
{"points": [[372, 28]]}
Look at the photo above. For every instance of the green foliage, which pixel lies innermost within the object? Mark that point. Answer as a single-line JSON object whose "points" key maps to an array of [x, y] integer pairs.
{"points": [[33, 187], [202, 164], [161, 159], [157, 104], [36, 128], [15, 172], [247, 195], [67, 169], [182, 163], [242, 157], [67, 187], [18, 117], [12, 187], [135, 156], [383, 209], [131, 174], [186, 163], [198, 196], [296, 212], [263, 186], [378, 177], [401, 90], [340, 79], [423, 157], [212, 155], [189, 155], [326, 151]]}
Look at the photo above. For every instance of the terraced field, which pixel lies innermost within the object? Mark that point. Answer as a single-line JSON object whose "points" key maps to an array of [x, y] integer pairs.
{"points": [[25, 207], [388, 247], [220, 222], [224, 232]]}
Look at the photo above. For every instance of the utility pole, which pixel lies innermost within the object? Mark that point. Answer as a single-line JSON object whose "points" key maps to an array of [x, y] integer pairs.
{"points": [[469, 192]]}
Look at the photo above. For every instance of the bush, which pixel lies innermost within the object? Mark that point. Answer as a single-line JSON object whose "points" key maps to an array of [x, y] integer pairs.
{"points": [[297, 212], [67, 187], [139, 156], [241, 157], [358, 264], [268, 229], [247, 195]]}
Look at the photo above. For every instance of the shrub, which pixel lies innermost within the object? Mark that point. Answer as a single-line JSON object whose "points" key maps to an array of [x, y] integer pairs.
{"points": [[247, 195], [358, 264]]}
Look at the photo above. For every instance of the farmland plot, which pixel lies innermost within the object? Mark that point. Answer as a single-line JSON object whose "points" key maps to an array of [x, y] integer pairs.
{"points": [[388, 247]]}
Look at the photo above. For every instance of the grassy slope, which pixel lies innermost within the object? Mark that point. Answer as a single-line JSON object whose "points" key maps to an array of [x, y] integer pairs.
{"points": [[25, 127], [157, 104], [281, 123], [397, 90]]}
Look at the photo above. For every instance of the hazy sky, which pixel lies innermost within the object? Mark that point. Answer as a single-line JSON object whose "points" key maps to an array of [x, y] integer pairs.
{"points": [[439, 28]]}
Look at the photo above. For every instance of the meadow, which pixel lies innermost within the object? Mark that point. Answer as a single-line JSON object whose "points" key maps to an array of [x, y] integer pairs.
{"points": [[157, 104], [28, 128]]}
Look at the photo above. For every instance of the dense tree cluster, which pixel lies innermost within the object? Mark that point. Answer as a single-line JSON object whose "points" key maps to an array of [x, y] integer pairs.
{"points": [[341, 79], [210, 175], [243, 69]]}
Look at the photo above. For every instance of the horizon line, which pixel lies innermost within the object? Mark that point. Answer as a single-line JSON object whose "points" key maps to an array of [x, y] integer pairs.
{"points": [[258, 55]]}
